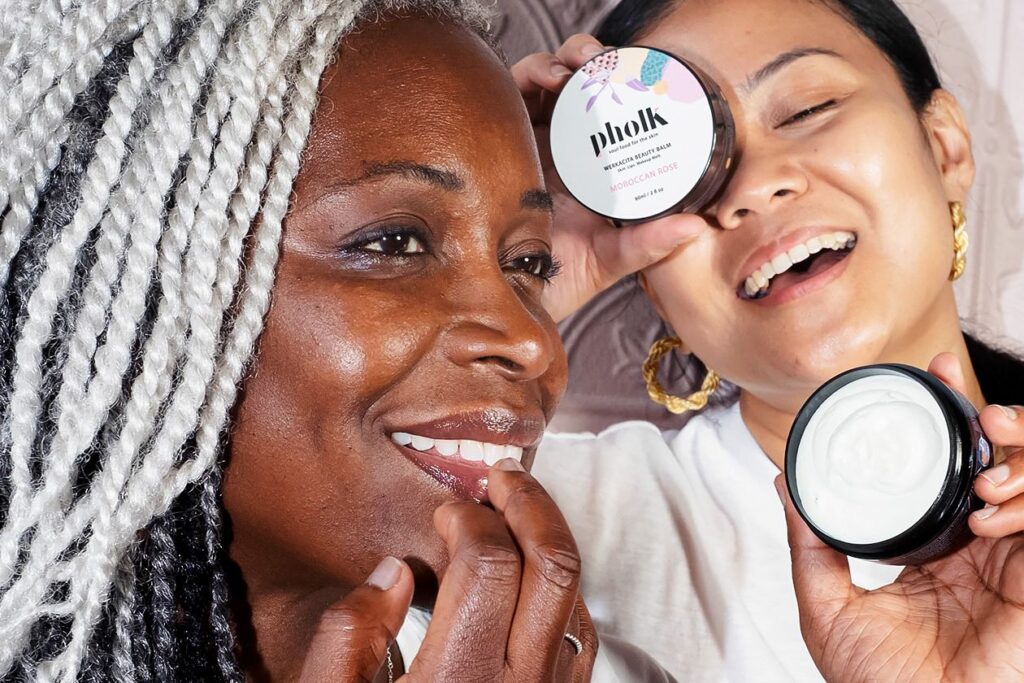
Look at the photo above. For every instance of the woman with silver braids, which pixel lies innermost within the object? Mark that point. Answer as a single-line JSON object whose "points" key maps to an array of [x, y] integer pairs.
{"points": [[178, 503]]}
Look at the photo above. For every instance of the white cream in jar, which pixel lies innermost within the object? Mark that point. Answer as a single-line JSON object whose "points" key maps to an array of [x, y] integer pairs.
{"points": [[881, 463], [873, 458]]}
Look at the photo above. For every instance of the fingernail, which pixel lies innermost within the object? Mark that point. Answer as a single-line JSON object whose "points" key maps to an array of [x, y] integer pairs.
{"points": [[997, 475], [560, 71], [590, 50], [511, 465], [985, 512], [1010, 413], [386, 575]]}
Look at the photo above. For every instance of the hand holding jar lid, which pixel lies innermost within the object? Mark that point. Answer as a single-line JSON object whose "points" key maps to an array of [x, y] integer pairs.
{"points": [[565, 95], [637, 133]]}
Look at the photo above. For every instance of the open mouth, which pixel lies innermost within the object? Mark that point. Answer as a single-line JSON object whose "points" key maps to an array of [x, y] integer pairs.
{"points": [[801, 263], [459, 465]]}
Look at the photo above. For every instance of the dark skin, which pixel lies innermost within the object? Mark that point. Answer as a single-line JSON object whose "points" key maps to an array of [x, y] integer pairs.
{"points": [[409, 289]]}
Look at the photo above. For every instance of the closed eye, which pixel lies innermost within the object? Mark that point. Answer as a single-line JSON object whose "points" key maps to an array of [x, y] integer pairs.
{"points": [[808, 113]]}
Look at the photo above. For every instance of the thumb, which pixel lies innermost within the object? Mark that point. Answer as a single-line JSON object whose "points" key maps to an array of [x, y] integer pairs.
{"points": [[821, 577], [946, 367], [638, 246], [352, 637]]}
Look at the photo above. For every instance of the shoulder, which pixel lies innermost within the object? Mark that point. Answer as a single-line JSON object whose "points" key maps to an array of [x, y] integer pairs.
{"points": [[640, 438], [630, 435]]}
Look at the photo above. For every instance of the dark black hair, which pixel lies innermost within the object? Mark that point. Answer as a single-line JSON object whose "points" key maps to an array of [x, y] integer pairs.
{"points": [[881, 21]]}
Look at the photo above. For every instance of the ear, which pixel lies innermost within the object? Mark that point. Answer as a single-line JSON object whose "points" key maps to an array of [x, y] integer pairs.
{"points": [[950, 141], [652, 296]]}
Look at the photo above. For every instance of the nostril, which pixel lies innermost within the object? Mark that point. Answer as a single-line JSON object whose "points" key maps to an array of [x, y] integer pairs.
{"points": [[502, 362], [742, 213], [782, 193]]}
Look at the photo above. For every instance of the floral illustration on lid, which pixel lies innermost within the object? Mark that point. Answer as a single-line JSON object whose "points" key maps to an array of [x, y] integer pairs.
{"points": [[641, 69]]}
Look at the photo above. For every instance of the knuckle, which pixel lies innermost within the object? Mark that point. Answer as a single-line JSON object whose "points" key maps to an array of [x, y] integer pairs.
{"points": [[580, 38], [559, 563], [495, 563]]}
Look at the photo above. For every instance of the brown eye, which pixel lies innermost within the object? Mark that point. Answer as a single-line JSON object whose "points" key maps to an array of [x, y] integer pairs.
{"points": [[537, 265], [396, 244]]}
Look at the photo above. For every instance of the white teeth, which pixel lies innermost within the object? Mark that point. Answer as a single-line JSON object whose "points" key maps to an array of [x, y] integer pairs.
{"points": [[447, 447], [761, 278], [781, 263], [464, 449], [471, 450], [799, 253], [422, 443], [493, 453]]}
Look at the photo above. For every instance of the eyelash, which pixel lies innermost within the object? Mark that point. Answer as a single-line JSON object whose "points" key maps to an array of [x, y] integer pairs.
{"points": [[538, 265], [809, 112], [541, 266], [390, 232]]}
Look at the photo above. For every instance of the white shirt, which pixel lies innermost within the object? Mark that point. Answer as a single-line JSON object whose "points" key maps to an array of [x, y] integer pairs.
{"points": [[684, 549]]}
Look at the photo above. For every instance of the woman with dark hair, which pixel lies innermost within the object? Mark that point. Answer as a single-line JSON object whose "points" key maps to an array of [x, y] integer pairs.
{"points": [[854, 163], [181, 179]]}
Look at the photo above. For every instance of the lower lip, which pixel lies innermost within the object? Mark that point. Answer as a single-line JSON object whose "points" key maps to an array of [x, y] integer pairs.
{"points": [[467, 481], [805, 287]]}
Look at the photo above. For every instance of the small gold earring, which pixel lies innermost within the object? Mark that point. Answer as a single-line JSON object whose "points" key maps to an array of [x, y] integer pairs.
{"points": [[960, 241], [675, 404]]}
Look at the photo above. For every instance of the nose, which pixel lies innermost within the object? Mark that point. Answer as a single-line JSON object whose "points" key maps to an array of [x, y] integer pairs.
{"points": [[765, 178], [496, 329]]}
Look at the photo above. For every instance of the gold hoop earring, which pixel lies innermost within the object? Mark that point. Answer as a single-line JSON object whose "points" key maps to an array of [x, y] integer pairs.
{"points": [[960, 240], [675, 404]]}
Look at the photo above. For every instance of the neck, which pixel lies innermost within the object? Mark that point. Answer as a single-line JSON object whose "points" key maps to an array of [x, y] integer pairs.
{"points": [[770, 424], [275, 628]]}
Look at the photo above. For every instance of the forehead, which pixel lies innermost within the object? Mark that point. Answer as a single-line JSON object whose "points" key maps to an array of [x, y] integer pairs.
{"points": [[421, 90], [732, 39]]}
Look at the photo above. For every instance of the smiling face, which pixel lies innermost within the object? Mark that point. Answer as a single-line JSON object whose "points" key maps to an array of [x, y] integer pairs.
{"points": [[836, 172], [406, 346]]}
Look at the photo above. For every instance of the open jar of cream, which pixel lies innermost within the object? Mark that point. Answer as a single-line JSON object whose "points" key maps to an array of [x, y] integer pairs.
{"points": [[637, 133], [881, 463]]}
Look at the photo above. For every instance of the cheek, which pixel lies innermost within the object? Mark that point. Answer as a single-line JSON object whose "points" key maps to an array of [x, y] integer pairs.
{"points": [[881, 160], [308, 474], [689, 290]]}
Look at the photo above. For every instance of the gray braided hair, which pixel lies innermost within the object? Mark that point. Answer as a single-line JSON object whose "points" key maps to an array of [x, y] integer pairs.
{"points": [[139, 139]]}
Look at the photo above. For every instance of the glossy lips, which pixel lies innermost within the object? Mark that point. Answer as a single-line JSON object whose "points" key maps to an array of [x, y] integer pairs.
{"points": [[457, 451]]}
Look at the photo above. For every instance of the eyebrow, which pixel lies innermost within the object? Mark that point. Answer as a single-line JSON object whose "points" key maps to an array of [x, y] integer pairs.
{"points": [[781, 62], [446, 180], [537, 199]]}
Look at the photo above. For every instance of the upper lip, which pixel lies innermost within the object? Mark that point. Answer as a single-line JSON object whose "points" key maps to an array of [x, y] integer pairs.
{"points": [[780, 245], [497, 425]]}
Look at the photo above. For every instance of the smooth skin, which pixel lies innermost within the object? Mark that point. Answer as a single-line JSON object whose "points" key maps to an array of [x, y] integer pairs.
{"points": [[825, 140], [413, 262]]}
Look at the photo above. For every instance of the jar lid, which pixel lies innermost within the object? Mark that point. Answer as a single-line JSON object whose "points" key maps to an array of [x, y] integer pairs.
{"points": [[637, 133]]}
